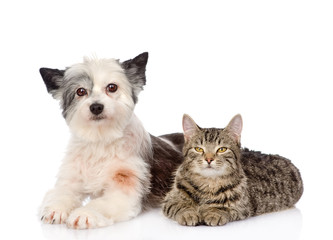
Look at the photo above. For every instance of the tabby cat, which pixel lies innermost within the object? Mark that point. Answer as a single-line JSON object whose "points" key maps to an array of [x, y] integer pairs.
{"points": [[219, 182]]}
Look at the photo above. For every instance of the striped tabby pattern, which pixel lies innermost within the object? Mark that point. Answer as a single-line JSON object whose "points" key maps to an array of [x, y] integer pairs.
{"points": [[219, 182]]}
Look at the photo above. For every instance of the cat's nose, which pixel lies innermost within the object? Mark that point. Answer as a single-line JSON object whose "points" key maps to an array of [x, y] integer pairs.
{"points": [[209, 160]]}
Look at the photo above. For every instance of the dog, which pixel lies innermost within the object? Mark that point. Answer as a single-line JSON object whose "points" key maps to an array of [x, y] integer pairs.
{"points": [[111, 159]]}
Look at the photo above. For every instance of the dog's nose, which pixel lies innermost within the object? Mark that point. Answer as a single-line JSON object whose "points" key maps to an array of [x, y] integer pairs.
{"points": [[96, 108]]}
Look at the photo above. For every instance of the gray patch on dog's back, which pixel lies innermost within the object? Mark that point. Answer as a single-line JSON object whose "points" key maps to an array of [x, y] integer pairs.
{"points": [[163, 164]]}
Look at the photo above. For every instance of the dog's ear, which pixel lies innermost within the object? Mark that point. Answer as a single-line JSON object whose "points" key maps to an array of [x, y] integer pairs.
{"points": [[52, 79], [139, 62], [135, 70]]}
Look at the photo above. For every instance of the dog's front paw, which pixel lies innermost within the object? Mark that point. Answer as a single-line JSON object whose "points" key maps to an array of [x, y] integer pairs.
{"points": [[84, 218], [54, 215]]}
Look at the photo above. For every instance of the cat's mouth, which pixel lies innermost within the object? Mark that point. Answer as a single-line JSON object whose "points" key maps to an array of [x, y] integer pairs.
{"points": [[209, 167], [209, 171]]}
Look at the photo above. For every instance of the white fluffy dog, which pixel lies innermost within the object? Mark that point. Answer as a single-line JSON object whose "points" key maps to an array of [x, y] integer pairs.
{"points": [[110, 157]]}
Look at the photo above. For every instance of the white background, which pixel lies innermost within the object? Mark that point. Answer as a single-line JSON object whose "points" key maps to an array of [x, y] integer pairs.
{"points": [[271, 61]]}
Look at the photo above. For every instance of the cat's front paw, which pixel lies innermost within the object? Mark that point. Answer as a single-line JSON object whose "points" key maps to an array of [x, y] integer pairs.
{"points": [[54, 215], [215, 218], [187, 217], [84, 218]]}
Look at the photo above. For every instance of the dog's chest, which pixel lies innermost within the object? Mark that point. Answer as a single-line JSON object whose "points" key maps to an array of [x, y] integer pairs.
{"points": [[95, 174], [95, 167]]}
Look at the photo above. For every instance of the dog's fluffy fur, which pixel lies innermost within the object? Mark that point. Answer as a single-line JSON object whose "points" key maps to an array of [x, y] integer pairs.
{"points": [[110, 157]]}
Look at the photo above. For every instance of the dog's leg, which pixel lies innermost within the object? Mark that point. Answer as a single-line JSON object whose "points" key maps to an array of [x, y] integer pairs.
{"points": [[121, 201], [58, 204], [113, 207]]}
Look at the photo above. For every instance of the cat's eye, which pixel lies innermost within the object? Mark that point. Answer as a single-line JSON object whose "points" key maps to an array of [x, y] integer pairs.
{"points": [[111, 87], [221, 149], [198, 149], [81, 92]]}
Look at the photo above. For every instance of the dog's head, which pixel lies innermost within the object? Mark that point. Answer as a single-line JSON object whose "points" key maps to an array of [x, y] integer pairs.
{"points": [[98, 96]]}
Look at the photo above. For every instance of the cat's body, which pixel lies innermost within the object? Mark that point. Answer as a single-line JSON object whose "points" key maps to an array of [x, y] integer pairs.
{"points": [[273, 182], [219, 182]]}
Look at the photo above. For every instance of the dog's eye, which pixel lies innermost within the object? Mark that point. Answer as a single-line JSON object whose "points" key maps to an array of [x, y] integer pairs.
{"points": [[111, 87], [81, 92]]}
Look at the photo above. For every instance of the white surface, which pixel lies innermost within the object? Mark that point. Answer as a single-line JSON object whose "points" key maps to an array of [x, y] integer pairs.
{"points": [[271, 61]]}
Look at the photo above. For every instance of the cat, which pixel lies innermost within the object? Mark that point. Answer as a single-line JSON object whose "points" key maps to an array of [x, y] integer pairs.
{"points": [[218, 182]]}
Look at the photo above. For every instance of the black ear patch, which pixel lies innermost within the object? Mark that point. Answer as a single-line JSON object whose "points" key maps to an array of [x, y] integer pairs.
{"points": [[52, 78], [135, 70], [138, 62]]}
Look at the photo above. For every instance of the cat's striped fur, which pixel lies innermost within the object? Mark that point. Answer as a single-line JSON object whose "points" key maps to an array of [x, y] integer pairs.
{"points": [[213, 187]]}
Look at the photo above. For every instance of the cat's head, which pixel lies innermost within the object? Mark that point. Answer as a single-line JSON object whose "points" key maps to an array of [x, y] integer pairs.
{"points": [[212, 152]]}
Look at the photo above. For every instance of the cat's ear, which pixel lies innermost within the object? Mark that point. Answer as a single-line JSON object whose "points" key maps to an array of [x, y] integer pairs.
{"points": [[189, 126], [235, 127]]}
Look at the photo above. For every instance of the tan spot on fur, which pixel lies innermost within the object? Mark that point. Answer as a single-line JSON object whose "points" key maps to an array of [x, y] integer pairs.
{"points": [[125, 178]]}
